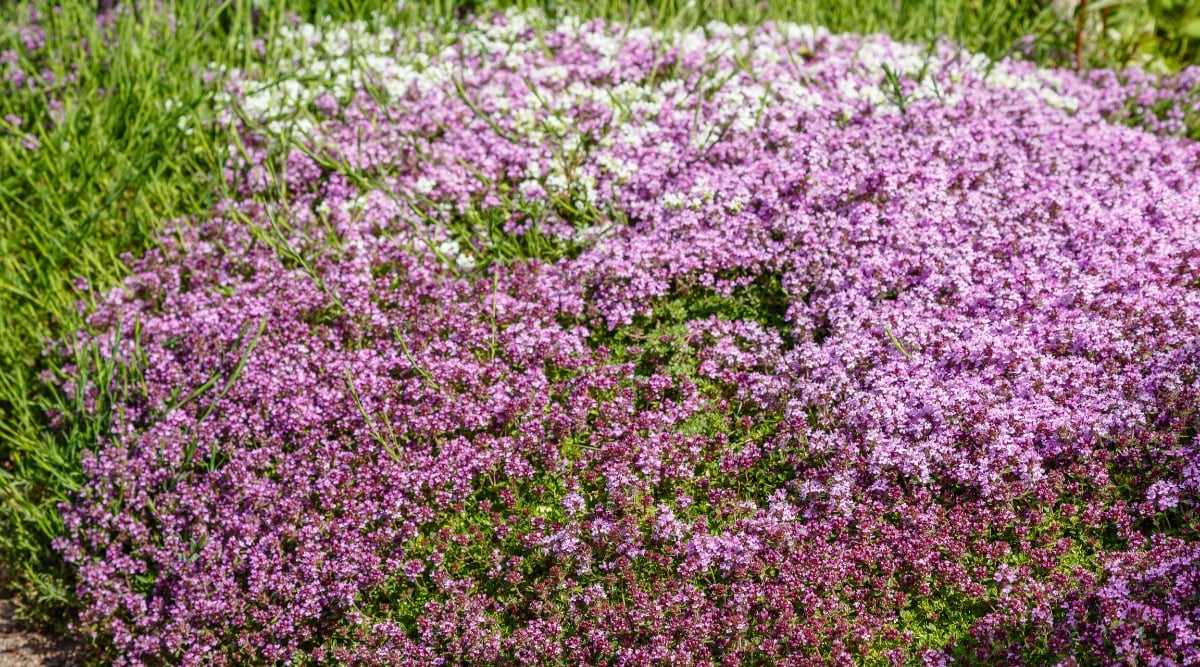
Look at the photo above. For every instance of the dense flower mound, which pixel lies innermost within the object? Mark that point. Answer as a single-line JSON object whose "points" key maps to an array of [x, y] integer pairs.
{"points": [[572, 343]]}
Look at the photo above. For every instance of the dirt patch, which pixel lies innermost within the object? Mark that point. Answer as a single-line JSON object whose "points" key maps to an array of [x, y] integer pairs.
{"points": [[22, 648]]}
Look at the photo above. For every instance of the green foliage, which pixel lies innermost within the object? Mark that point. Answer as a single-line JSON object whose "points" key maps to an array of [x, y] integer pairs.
{"points": [[1173, 38], [1159, 35], [112, 166]]}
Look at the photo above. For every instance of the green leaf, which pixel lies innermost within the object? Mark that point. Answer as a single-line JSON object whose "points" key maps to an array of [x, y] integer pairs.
{"points": [[1191, 28]]}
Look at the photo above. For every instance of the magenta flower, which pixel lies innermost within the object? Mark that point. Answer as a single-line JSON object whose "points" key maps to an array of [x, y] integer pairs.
{"points": [[562, 343]]}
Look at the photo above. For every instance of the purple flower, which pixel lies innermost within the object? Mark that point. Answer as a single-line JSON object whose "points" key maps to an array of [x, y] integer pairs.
{"points": [[611, 363]]}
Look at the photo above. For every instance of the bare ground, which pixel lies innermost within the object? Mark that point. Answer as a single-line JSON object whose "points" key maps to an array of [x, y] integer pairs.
{"points": [[22, 648]]}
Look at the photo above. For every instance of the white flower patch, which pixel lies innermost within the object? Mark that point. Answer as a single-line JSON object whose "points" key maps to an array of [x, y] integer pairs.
{"points": [[1042, 84], [673, 200], [621, 169], [354, 204], [341, 59], [452, 251], [425, 185]]}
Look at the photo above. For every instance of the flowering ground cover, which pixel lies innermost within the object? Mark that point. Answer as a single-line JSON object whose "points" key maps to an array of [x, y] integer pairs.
{"points": [[559, 341]]}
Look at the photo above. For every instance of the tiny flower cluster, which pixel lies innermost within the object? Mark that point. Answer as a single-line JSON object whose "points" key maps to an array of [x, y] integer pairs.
{"points": [[569, 343]]}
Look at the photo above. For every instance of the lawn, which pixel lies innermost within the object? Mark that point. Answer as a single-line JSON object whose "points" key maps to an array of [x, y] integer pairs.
{"points": [[602, 333]]}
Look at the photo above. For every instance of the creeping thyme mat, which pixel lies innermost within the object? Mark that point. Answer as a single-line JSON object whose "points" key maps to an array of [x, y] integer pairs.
{"points": [[574, 343]]}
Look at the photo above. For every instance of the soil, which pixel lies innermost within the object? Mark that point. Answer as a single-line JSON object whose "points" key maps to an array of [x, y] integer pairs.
{"points": [[21, 648]]}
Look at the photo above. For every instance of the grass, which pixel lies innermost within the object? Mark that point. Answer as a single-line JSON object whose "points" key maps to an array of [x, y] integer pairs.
{"points": [[116, 161]]}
